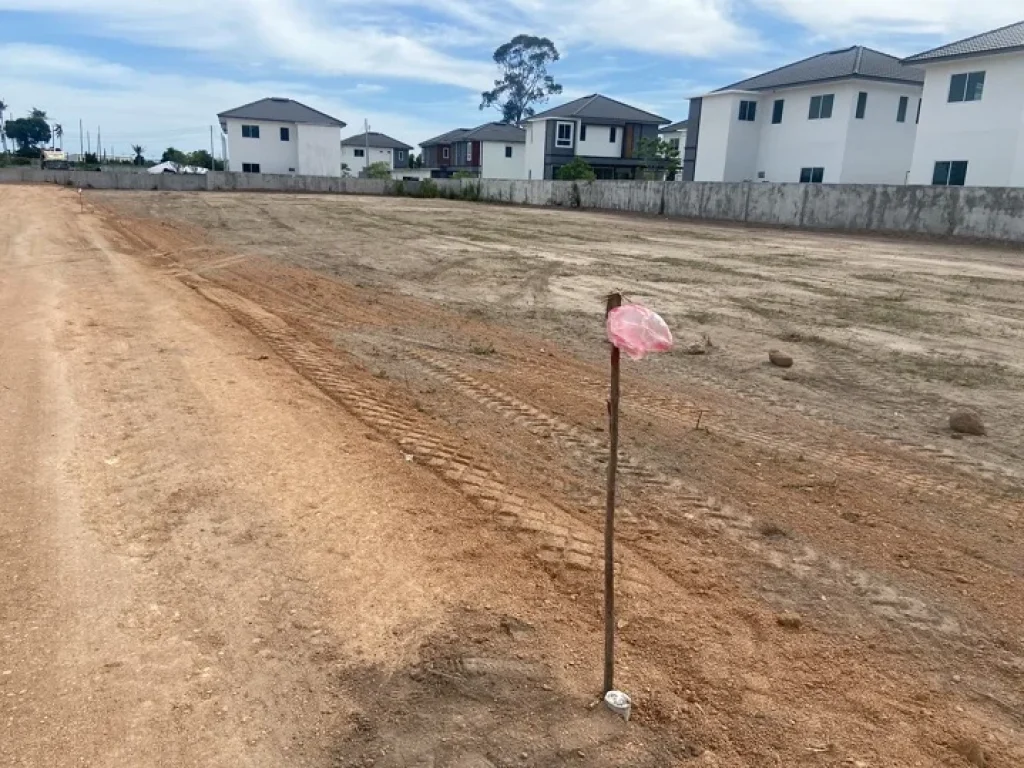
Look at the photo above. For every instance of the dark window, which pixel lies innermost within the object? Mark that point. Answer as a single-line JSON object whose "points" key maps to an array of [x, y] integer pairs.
{"points": [[250, 131], [359, 152], [821, 107], [445, 153], [748, 111], [285, 134], [901, 111], [777, 108], [250, 167], [583, 133], [967, 86], [950, 173], [611, 135], [508, 151], [674, 143], [812, 175], [563, 135], [862, 104], [918, 119], [401, 155]]}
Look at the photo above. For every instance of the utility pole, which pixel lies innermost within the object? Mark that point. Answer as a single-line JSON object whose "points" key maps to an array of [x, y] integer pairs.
{"points": [[88, 142], [366, 136], [99, 145], [81, 142], [213, 157]]}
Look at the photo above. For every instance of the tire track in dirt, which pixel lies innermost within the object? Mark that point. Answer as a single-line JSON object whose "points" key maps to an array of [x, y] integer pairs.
{"points": [[795, 558], [562, 541]]}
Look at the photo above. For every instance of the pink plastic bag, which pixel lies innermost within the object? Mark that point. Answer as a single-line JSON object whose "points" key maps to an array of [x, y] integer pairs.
{"points": [[638, 331]]}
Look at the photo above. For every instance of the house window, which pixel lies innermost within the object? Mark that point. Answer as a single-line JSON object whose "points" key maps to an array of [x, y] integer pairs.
{"points": [[950, 173], [401, 155], [966, 87], [862, 104], [918, 120], [285, 135], [611, 135], [445, 153], [508, 151], [812, 175], [583, 133], [250, 131], [250, 167], [777, 108], [821, 107], [563, 135], [674, 143], [359, 152], [748, 111], [901, 111]]}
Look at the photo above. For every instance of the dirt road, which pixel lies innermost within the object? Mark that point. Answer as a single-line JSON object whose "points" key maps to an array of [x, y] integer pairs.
{"points": [[261, 510]]}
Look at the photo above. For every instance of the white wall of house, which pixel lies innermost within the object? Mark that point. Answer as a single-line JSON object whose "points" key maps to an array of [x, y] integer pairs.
{"points": [[268, 151], [494, 164], [879, 149], [988, 134], [598, 142], [410, 173], [319, 150], [357, 164], [716, 121], [873, 150], [536, 134], [677, 136]]}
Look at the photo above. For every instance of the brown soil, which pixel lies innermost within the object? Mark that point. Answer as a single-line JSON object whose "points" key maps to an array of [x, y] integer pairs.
{"points": [[318, 481]]}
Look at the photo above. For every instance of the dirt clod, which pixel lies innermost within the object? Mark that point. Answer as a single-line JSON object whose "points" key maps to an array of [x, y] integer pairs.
{"points": [[971, 751], [967, 422], [696, 348], [780, 359], [789, 620]]}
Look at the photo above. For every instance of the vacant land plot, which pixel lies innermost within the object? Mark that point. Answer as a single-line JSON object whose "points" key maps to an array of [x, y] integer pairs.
{"points": [[451, 570]]}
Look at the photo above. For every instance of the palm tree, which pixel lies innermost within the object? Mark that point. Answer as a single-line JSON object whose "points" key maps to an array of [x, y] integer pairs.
{"points": [[139, 150], [58, 135]]}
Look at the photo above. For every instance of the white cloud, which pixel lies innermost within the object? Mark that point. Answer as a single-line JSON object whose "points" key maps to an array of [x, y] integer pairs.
{"points": [[949, 19], [160, 110]]}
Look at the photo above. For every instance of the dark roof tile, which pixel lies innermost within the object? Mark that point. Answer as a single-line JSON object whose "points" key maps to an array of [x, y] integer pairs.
{"points": [[282, 111], [856, 61], [1008, 38]]}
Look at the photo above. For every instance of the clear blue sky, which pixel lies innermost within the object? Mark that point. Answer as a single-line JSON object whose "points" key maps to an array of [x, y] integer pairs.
{"points": [[156, 72]]}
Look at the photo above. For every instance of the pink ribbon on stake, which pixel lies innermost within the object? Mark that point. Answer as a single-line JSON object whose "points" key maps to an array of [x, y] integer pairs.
{"points": [[638, 331]]}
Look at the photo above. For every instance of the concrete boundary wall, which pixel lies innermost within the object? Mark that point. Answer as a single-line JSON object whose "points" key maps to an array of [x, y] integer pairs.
{"points": [[989, 213]]}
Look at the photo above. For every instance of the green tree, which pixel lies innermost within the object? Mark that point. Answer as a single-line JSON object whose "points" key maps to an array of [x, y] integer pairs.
{"points": [[577, 170], [3, 136], [172, 155], [29, 132], [462, 174], [200, 159], [346, 171], [91, 158], [659, 158], [379, 170], [58, 135], [523, 63], [139, 151]]}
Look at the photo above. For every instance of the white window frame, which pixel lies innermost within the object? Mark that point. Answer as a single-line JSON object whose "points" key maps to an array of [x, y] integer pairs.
{"points": [[401, 155], [446, 153], [559, 141]]}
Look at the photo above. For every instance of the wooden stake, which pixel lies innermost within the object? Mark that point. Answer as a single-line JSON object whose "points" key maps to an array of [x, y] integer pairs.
{"points": [[614, 300]]}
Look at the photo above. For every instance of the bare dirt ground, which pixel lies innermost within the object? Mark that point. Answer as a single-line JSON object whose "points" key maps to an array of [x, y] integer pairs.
{"points": [[317, 481]]}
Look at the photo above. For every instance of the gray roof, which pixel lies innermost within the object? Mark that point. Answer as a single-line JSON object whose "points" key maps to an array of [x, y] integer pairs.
{"points": [[445, 138], [282, 111], [1008, 38], [503, 132], [856, 61], [377, 140], [598, 107], [680, 126]]}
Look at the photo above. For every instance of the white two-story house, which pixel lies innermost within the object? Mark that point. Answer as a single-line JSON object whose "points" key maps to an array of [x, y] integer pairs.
{"points": [[846, 116], [359, 152], [972, 120], [604, 132], [277, 135]]}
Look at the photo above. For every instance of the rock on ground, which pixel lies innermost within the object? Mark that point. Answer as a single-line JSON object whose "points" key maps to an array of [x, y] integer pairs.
{"points": [[780, 359], [967, 423]]}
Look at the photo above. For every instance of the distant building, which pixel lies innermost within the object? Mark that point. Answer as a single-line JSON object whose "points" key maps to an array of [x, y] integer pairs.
{"points": [[277, 135], [972, 119], [846, 116], [604, 132], [362, 150], [489, 151]]}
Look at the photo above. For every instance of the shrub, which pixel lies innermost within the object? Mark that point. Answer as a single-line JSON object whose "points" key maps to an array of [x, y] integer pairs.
{"points": [[428, 188], [578, 170]]}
